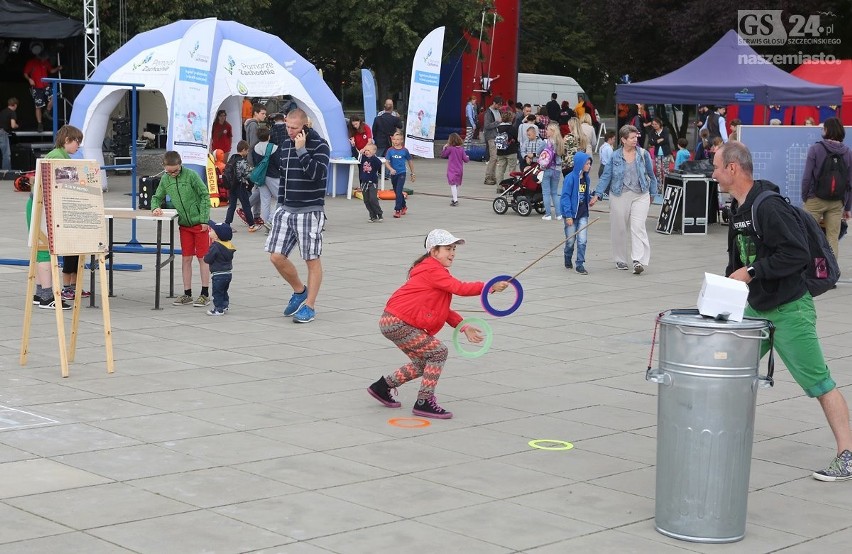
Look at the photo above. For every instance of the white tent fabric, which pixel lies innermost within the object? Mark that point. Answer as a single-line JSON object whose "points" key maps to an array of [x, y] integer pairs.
{"points": [[200, 66]]}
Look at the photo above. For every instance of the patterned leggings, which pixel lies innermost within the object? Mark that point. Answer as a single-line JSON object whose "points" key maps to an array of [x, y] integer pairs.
{"points": [[427, 354]]}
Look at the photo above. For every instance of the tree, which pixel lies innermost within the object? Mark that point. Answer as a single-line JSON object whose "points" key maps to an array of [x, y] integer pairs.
{"points": [[339, 37]]}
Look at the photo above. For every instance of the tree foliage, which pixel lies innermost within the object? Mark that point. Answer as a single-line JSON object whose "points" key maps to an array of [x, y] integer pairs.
{"points": [[343, 36], [595, 42]]}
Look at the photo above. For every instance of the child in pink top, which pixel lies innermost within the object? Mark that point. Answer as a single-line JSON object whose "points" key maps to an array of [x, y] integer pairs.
{"points": [[454, 151]]}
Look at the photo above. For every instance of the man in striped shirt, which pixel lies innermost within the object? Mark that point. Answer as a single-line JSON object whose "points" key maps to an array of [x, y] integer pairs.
{"points": [[303, 159]]}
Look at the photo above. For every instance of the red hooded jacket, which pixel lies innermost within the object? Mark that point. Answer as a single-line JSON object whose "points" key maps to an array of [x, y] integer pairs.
{"points": [[424, 300]]}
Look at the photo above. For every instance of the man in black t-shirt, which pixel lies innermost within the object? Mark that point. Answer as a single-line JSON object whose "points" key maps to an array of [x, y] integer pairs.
{"points": [[553, 108], [8, 123], [384, 126]]}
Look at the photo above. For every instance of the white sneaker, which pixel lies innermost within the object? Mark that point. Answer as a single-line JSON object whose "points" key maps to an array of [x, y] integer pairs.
{"points": [[546, 217], [558, 218]]}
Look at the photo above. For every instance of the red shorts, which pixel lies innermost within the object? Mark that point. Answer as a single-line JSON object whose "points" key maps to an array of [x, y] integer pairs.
{"points": [[194, 241]]}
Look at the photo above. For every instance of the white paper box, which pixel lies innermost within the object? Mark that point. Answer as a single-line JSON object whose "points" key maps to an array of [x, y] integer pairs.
{"points": [[721, 295]]}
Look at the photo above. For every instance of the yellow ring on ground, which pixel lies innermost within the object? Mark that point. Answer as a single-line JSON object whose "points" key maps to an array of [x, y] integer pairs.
{"points": [[398, 422], [564, 445]]}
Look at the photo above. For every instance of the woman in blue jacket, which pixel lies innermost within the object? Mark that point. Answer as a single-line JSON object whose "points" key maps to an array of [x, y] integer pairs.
{"points": [[629, 179], [574, 206]]}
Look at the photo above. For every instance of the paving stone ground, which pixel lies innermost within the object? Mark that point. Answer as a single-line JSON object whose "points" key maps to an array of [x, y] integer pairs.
{"points": [[249, 433]]}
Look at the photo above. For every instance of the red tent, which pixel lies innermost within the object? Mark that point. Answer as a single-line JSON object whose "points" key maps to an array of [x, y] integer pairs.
{"points": [[826, 73]]}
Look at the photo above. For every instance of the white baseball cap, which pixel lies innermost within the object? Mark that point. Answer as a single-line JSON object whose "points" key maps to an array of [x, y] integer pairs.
{"points": [[441, 237]]}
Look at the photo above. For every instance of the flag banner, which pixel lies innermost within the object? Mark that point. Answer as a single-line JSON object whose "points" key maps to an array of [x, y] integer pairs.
{"points": [[423, 95]]}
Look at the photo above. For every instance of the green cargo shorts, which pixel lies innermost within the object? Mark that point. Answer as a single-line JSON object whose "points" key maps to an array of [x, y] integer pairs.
{"points": [[797, 344]]}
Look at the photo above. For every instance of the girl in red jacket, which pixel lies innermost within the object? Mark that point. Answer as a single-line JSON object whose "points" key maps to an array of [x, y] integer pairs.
{"points": [[414, 315]]}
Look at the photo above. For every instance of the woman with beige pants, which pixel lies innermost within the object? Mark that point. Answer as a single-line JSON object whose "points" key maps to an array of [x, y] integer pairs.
{"points": [[629, 179], [830, 211]]}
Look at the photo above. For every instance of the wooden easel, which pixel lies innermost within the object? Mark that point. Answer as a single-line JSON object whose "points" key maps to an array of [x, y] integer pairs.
{"points": [[40, 242]]}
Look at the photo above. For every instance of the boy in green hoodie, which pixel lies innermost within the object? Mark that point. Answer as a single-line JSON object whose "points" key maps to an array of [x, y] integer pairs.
{"points": [[191, 199]]}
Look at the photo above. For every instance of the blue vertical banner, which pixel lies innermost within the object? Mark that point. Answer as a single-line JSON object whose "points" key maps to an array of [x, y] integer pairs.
{"points": [[423, 98], [368, 85]]}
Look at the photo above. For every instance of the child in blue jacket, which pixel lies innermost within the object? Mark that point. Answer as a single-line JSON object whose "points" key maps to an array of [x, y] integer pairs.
{"points": [[574, 207]]}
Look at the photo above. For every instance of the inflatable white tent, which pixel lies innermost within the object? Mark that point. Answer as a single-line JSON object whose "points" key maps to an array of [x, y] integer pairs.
{"points": [[200, 66]]}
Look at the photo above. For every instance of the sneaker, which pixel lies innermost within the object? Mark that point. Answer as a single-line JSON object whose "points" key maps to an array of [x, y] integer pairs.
{"points": [[254, 228], [85, 294], [381, 391], [546, 217], [304, 315], [558, 218], [371, 220], [258, 221], [621, 265], [840, 469], [404, 210], [201, 301], [182, 300], [397, 214], [242, 215], [582, 270], [296, 302], [454, 203], [67, 294], [429, 408], [36, 300], [51, 304], [214, 311], [637, 268], [569, 265], [380, 220]]}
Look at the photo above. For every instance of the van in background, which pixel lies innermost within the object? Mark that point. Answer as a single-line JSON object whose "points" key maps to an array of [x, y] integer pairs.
{"points": [[536, 89]]}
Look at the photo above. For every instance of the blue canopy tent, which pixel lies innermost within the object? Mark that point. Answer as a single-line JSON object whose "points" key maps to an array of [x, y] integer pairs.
{"points": [[730, 72]]}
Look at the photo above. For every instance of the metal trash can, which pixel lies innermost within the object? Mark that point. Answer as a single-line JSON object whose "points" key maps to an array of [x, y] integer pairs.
{"points": [[708, 379]]}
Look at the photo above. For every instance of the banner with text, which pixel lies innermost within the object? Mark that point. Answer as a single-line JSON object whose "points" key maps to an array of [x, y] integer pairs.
{"points": [[189, 117], [423, 98]]}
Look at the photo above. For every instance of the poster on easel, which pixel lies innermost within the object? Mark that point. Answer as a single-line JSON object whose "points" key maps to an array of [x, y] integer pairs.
{"points": [[67, 218], [669, 210], [73, 219]]}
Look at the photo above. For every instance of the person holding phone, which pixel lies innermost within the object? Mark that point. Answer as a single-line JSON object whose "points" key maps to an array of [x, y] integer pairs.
{"points": [[302, 158]]}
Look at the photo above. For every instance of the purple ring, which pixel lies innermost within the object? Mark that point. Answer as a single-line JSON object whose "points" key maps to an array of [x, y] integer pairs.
{"points": [[519, 290]]}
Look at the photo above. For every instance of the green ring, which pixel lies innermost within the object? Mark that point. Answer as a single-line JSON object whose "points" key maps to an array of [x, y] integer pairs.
{"points": [[486, 344], [565, 445]]}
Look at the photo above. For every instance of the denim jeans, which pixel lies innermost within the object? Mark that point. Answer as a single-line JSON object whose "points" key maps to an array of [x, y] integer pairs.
{"points": [[221, 282], [398, 182], [580, 238], [550, 190], [241, 193], [6, 150]]}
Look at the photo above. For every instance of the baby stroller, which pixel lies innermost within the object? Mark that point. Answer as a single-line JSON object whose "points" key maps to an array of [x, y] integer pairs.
{"points": [[521, 191]]}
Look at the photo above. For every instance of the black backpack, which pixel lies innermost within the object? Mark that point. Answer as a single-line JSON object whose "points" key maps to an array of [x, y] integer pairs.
{"points": [[229, 175], [833, 180], [823, 271]]}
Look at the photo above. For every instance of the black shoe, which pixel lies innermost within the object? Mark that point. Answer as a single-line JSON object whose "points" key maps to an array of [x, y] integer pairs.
{"points": [[381, 391], [428, 407], [51, 304], [36, 300], [582, 270], [569, 265]]}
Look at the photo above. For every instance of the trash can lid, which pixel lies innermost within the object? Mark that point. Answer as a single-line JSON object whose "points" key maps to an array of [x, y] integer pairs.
{"points": [[691, 318]]}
